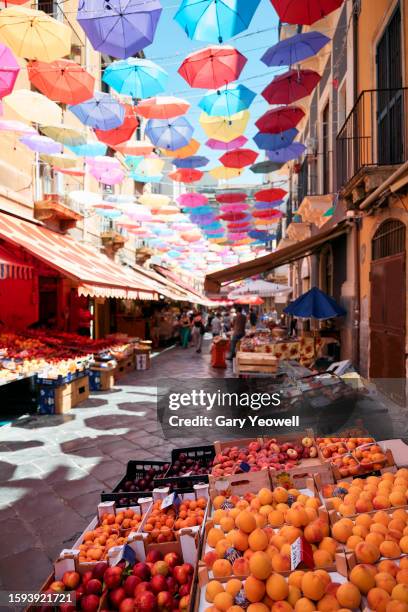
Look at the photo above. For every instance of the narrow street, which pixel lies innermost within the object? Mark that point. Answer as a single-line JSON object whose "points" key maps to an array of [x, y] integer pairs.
{"points": [[53, 468]]}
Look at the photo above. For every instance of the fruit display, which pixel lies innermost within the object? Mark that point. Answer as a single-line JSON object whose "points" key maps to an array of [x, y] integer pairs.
{"points": [[269, 522], [367, 495], [191, 462], [260, 455], [353, 456], [140, 476], [161, 524]]}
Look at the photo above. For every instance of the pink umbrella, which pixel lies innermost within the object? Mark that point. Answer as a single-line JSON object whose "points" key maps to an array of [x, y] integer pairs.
{"points": [[238, 207], [192, 200], [218, 145], [9, 70], [107, 176], [10, 125], [235, 236], [139, 213]]}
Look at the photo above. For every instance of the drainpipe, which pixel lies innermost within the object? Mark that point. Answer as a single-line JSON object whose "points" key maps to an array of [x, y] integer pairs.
{"points": [[357, 289]]}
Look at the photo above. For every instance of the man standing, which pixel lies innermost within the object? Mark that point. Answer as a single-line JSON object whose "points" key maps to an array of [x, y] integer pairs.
{"points": [[238, 331]]}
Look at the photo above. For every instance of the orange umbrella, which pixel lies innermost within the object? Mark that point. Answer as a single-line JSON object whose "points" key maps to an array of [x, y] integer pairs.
{"points": [[186, 175], [134, 147], [62, 80], [122, 132], [190, 149]]}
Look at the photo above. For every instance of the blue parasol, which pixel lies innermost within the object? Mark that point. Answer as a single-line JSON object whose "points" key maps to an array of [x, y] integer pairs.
{"points": [[315, 304]]}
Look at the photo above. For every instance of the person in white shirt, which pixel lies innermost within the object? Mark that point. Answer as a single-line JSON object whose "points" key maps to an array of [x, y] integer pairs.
{"points": [[216, 325]]}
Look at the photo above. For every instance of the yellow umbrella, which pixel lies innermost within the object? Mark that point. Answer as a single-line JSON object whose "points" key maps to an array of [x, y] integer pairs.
{"points": [[150, 166], [225, 128], [217, 240], [154, 200], [33, 106], [223, 174], [64, 134], [168, 209], [61, 161], [34, 34], [190, 149]]}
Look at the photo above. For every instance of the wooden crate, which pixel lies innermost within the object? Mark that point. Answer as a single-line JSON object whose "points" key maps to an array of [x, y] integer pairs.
{"points": [[80, 390], [64, 398], [239, 484], [125, 365], [263, 363]]}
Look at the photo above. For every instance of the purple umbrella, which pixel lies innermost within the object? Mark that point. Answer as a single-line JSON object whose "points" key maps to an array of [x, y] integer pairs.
{"points": [[237, 143], [41, 144], [195, 161], [295, 49], [9, 70], [102, 112], [293, 151], [119, 28], [170, 134]]}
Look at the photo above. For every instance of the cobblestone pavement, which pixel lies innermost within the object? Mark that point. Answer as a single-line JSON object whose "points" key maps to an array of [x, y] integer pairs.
{"points": [[53, 468]]}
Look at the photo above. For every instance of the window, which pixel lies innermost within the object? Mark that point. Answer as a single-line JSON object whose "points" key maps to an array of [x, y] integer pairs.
{"points": [[389, 239], [326, 166]]}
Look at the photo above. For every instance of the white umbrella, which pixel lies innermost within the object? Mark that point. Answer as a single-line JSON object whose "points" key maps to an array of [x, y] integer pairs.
{"points": [[261, 288]]}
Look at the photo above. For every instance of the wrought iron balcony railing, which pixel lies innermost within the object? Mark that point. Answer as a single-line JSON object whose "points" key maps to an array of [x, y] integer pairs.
{"points": [[374, 133]]}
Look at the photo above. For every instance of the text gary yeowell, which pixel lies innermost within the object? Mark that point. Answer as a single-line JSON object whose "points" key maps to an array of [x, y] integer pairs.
{"points": [[223, 421]]}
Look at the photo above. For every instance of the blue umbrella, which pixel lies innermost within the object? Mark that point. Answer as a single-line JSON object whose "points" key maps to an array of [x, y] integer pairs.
{"points": [[281, 156], [228, 101], [271, 142], [170, 134], [295, 49], [201, 210], [215, 20], [144, 178], [132, 161], [195, 161], [267, 205], [102, 112], [89, 149], [261, 236], [111, 214], [315, 304], [138, 78]]}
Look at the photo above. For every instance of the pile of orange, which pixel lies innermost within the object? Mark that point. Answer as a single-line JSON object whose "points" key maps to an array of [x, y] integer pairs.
{"points": [[161, 524], [191, 513]]}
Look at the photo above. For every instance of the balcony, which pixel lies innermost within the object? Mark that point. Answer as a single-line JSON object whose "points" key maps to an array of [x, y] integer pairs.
{"points": [[372, 141]]}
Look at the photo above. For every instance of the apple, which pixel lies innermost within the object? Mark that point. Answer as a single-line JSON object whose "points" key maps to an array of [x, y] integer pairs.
{"points": [[160, 567], [184, 603], [185, 589], [90, 603], [142, 570], [117, 596], [165, 601], [71, 580], [146, 602], [158, 583], [142, 586], [67, 607], [86, 577], [127, 605], [113, 577], [93, 586], [79, 592], [172, 585], [99, 570], [180, 574], [57, 586], [292, 453], [307, 442], [189, 568], [172, 559], [153, 556], [313, 452], [130, 584]]}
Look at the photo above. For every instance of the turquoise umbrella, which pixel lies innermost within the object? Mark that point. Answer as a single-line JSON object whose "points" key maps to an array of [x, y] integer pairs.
{"points": [[138, 78], [227, 101], [89, 149], [215, 20]]}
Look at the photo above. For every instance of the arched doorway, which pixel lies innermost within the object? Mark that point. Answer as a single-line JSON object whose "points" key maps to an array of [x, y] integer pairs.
{"points": [[388, 301]]}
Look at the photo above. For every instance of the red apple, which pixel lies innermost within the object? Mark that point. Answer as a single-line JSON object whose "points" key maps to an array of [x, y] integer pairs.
{"points": [[158, 583], [67, 607], [79, 592], [57, 586], [172, 585], [160, 567], [172, 559], [153, 556], [90, 603], [146, 602], [127, 605], [189, 568], [86, 577], [184, 603], [165, 601], [130, 585], [117, 596], [185, 589], [142, 570], [71, 580], [99, 570], [142, 586], [180, 574], [93, 586], [113, 577]]}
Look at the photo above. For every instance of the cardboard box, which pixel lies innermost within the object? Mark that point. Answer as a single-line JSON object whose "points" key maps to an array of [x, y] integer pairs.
{"points": [[80, 390], [101, 379], [239, 484]]}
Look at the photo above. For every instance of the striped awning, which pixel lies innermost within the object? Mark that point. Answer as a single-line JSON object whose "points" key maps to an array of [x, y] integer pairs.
{"points": [[12, 267]]}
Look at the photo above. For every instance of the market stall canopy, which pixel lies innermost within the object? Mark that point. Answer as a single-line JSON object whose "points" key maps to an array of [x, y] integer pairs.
{"points": [[11, 266], [95, 273], [315, 304], [271, 261], [260, 287], [194, 296]]}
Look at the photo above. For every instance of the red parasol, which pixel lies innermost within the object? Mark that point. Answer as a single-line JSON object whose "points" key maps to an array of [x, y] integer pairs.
{"points": [[212, 67], [280, 119], [267, 213], [238, 226], [69, 171], [250, 300], [232, 216], [270, 195], [63, 81], [291, 86], [238, 158], [162, 107], [304, 12], [123, 132], [231, 198], [186, 175]]}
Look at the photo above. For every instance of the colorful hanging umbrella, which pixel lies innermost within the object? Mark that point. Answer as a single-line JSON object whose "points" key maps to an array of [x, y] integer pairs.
{"points": [[270, 213], [119, 28], [9, 69], [135, 77], [34, 34], [222, 173], [89, 149], [138, 177], [41, 144], [11, 125], [190, 149], [132, 147], [238, 158], [262, 236], [227, 101], [212, 67], [280, 119], [123, 132], [186, 175], [271, 142], [162, 107], [61, 160], [295, 49], [195, 161], [225, 128], [107, 176], [219, 145], [154, 200], [265, 167], [139, 213], [238, 225], [69, 171], [33, 106], [237, 207], [232, 216], [270, 195], [263, 205], [64, 134], [231, 198], [192, 200], [62, 81], [304, 12], [291, 86], [147, 166], [170, 134], [234, 236], [293, 151], [102, 111], [215, 20]]}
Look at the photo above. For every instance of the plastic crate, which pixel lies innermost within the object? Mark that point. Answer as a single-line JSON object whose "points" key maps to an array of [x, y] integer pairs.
{"points": [[206, 453], [134, 470]]}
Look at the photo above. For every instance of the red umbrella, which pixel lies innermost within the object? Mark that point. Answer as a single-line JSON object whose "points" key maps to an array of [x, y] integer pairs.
{"points": [[280, 119], [186, 175], [270, 195], [69, 171], [231, 198], [267, 213], [212, 67], [304, 12], [291, 86], [134, 147], [123, 132], [63, 81], [238, 226], [232, 216], [250, 300], [238, 158]]}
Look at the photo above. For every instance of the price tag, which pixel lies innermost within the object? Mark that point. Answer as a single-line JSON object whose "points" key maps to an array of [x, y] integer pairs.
{"points": [[301, 552], [245, 467], [168, 501], [122, 553]]}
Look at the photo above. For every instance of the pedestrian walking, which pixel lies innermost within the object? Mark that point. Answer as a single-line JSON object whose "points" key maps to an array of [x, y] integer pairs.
{"points": [[238, 331], [185, 329], [253, 317], [198, 331], [216, 325]]}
